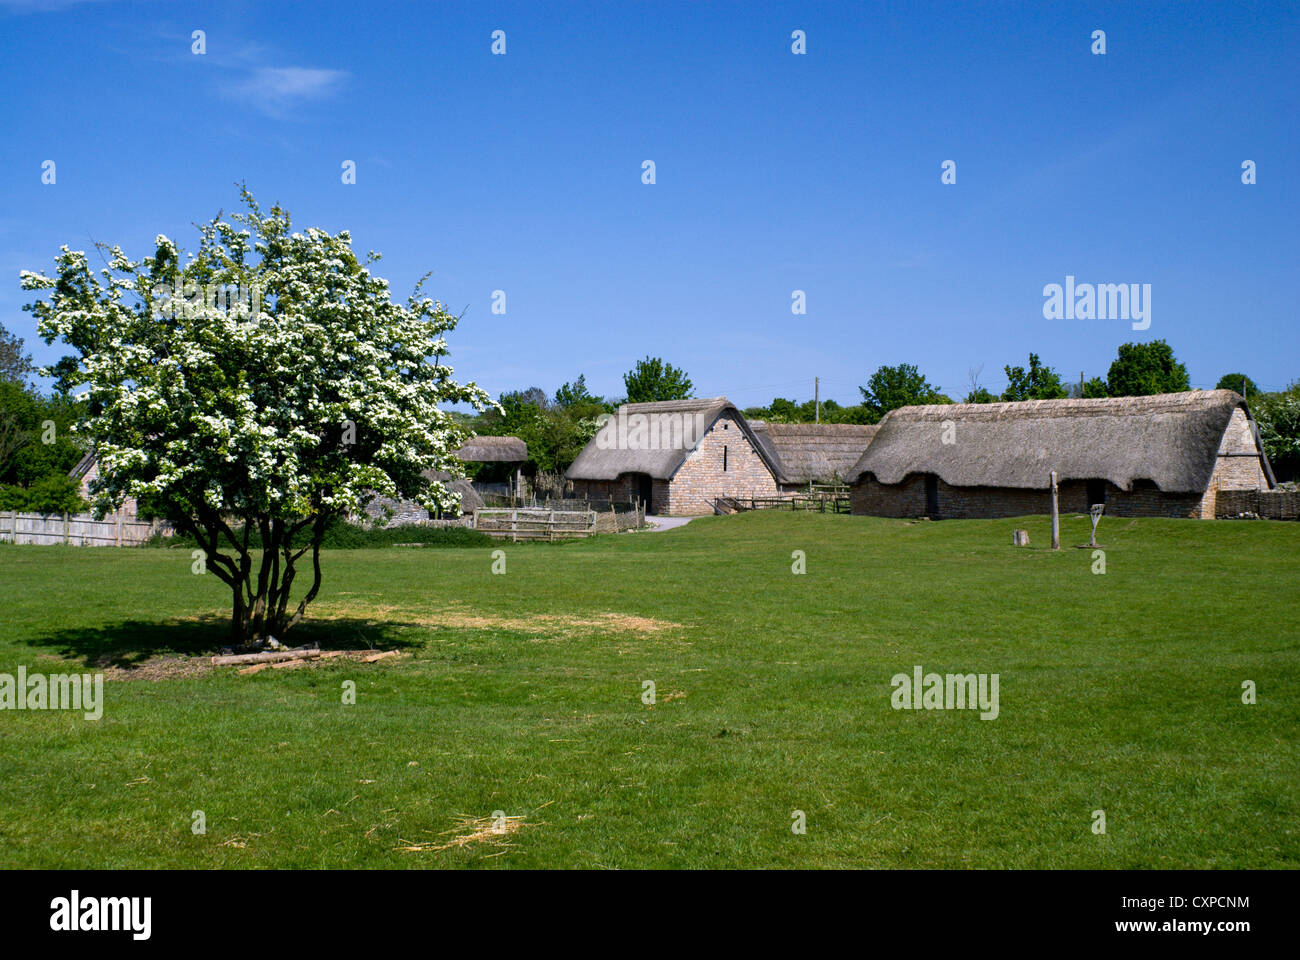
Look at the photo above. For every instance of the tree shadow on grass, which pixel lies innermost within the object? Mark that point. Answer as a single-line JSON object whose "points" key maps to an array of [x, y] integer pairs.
{"points": [[133, 643]]}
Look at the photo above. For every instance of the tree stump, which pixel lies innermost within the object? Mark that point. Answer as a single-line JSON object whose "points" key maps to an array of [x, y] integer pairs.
{"points": [[1020, 538]]}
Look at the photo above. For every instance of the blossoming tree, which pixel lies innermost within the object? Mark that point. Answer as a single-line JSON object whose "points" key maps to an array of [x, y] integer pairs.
{"points": [[266, 384]]}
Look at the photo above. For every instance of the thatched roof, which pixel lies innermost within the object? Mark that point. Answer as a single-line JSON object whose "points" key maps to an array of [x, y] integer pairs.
{"points": [[814, 452], [1172, 439], [492, 450], [470, 501], [654, 438]]}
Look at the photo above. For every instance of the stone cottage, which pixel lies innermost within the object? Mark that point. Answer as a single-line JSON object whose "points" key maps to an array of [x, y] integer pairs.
{"points": [[85, 473], [1161, 456], [677, 456]]}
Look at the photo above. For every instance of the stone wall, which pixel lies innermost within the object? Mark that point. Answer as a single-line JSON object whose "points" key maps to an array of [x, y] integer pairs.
{"points": [[701, 476], [907, 499], [405, 513]]}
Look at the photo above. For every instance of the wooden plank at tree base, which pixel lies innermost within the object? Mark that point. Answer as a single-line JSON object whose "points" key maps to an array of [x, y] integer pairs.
{"points": [[268, 656]]}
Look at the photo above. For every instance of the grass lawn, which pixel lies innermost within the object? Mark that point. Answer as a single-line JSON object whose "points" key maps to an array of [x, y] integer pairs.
{"points": [[522, 693]]}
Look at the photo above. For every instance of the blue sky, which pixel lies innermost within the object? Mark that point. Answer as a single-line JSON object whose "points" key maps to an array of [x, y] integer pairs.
{"points": [[775, 172]]}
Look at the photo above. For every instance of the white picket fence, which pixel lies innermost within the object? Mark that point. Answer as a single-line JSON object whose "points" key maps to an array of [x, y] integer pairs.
{"points": [[76, 529]]}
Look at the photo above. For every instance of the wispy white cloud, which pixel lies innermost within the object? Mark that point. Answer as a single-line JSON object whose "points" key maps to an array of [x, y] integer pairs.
{"points": [[275, 90], [41, 6]]}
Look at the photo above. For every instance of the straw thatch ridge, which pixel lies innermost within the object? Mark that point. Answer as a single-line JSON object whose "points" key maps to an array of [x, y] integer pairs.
{"points": [[1171, 439], [492, 450], [606, 457], [814, 452]]}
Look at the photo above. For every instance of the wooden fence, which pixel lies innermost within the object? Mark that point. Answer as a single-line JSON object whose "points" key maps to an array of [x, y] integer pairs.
{"points": [[76, 529], [815, 503], [525, 523], [1269, 504]]}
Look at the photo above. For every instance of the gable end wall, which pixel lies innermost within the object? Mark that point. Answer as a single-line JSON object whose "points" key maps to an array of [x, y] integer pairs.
{"points": [[700, 478]]}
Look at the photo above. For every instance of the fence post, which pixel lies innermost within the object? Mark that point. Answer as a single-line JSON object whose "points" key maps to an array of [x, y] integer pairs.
{"points": [[1056, 516], [66, 529]]}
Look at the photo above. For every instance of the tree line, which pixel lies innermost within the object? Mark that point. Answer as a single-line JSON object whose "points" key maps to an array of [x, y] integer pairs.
{"points": [[37, 448], [556, 426]]}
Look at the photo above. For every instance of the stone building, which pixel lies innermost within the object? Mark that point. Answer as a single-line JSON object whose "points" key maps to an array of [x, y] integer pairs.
{"points": [[1164, 456], [677, 456], [813, 453], [505, 453], [85, 473]]}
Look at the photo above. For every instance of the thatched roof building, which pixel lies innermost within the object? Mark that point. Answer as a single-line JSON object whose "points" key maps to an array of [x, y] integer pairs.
{"points": [[677, 455], [470, 501], [814, 452], [1158, 455], [492, 450], [652, 438]]}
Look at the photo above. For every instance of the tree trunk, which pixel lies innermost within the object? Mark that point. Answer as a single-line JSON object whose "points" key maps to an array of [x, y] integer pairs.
{"points": [[259, 604]]}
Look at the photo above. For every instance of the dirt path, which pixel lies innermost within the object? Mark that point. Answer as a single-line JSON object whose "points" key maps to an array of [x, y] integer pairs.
{"points": [[666, 523]]}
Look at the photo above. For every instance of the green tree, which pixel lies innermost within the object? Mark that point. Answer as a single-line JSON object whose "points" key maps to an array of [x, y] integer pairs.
{"points": [[652, 379], [56, 493], [786, 411], [278, 410], [555, 431], [1039, 382], [901, 386], [782, 410], [1239, 382], [1095, 389], [980, 395], [1142, 369], [574, 394], [1278, 417], [15, 363], [36, 435]]}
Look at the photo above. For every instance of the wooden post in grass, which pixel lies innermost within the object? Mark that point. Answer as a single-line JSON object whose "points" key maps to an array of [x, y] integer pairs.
{"points": [[1056, 517]]}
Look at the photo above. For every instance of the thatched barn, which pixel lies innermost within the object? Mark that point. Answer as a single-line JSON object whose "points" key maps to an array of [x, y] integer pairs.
{"points": [[505, 454], [1166, 455], [813, 453], [677, 456], [502, 460], [492, 450]]}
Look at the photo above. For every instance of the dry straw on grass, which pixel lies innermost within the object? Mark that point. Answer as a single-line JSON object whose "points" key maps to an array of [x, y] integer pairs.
{"points": [[492, 831]]}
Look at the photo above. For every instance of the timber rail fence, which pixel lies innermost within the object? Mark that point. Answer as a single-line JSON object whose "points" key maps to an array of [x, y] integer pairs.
{"points": [[529, 523], [76, 529]]}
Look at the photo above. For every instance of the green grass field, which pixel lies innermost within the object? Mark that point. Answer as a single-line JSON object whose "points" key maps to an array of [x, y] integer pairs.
{"points": [[522, 693]]}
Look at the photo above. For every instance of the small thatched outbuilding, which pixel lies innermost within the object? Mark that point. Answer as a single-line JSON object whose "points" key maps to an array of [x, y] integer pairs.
{"points": [[813, 453], [1165, 455], [492, 450], [677, 456]]}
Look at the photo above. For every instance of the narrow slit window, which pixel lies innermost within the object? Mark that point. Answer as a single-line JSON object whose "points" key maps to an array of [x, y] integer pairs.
{"points": [[724, 458]]}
